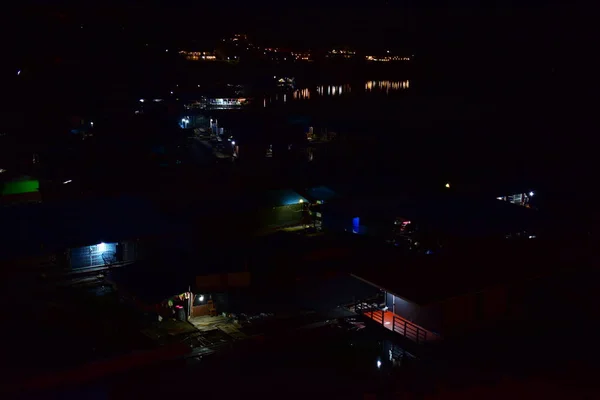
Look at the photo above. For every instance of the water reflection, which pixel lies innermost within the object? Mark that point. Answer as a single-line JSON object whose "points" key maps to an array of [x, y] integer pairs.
{"points": [[302, 94], [334, 90], [386, 86], [339, 90]]}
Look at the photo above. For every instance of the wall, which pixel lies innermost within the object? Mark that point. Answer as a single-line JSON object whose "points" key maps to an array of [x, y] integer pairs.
{"points": [[458, 313], [208, 283], [91, 256], [426, 317], [474, 310], [199, 311]]}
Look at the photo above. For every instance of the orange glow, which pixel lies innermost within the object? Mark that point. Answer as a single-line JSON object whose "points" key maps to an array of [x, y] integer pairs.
{"points": [[386, 58], [396, 323], [386, 85]]}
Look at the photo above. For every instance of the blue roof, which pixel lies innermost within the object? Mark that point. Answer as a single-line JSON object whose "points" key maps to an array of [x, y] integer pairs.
{"points": [[35, 229], [320, 193]]}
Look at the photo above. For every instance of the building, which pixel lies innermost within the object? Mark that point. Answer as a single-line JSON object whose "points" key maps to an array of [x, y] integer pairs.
{"points": [[482, 286], [341, 53], [522, 199], [428, 223], [75, 234], [302, 56], [317, 196], [194, 289], [386, 58], [199, 55]]}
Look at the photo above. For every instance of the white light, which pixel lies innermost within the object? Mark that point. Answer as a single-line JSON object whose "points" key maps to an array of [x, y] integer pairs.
{"points": [[2, 171], [233, 142], [301, 201], [378, 364], [530, 194], [141, 100], [167, 50], [171, 92], [182, 119], [201, 297], [531, 236], [101, 246], [388, 52], [92, 124], [448, 185], [69, 181], [19, 72]]}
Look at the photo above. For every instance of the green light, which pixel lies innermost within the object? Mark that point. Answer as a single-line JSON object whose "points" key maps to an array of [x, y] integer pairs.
{"points": [[19, 187]]}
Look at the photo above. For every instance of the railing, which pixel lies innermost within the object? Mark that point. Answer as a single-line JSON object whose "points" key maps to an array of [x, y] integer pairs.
{"points": [[409, 329], [398, 325]]}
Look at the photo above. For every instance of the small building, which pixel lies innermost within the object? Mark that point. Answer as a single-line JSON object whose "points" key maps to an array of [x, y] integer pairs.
{"points": [[190, 289], [317, 196], [425, 297], [75, 234]]}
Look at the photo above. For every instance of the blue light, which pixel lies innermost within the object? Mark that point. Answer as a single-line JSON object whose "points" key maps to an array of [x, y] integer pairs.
{"points": [[355, 224]]}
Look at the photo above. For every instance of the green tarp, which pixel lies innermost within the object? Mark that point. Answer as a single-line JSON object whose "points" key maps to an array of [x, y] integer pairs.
{"points": [[19, 187]]}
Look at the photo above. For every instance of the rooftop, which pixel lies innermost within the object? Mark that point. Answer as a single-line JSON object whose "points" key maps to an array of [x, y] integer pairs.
{"points": [[481, 264], [36, 229]]}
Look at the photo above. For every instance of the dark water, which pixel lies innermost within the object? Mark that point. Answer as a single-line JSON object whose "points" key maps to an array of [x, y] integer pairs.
{"points": [[405, 126]]}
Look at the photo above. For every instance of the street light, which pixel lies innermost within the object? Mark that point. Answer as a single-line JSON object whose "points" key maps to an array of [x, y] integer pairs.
{"points": [[530, 194], [448, 185]]}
